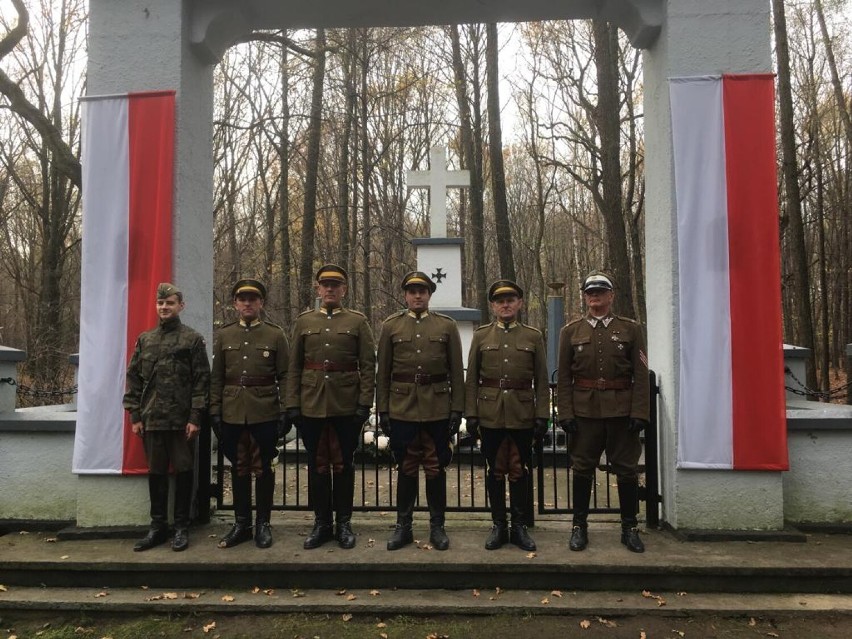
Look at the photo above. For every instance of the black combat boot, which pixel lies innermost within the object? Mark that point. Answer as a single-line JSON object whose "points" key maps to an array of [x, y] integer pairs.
{"points": [[264, 489], [436, 498], [406, 494], [581, 495], [518, 495], [343, 492], [183, 506], [628, 498], [319, 489], [497, 498], [241, 530], [158, 533]]}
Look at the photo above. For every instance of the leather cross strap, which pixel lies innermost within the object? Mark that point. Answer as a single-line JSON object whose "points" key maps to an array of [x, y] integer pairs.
{"points": [[329, 366], [505, 384], [251, 380], [603, 384], [421, 379]]}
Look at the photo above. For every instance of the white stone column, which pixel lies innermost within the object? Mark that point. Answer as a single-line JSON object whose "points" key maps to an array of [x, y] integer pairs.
{"points": [[144, 46], [698, 37]]}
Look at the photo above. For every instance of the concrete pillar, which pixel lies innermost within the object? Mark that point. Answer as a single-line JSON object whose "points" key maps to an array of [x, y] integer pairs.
{"points": [[9, 358], [697, 37], [137, 45]]}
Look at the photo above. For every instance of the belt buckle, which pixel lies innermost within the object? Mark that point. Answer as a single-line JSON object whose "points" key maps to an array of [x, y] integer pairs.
{"points": [[600, 384], [502, 386], [243, 380], [326, 365], [421, 378]]}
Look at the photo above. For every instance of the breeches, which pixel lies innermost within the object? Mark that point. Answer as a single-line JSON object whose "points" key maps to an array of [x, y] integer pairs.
{"points": [[416, 444], [594, 436], [330, 443], [250, 447], [508, 451]]}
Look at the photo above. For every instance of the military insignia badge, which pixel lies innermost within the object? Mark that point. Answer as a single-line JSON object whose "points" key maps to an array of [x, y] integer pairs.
{"points": [[614, 338], [266, 353], [621, 347], [580, 348]]}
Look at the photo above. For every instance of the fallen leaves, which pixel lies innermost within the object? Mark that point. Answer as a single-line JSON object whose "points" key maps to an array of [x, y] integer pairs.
{"points": [[375, 593], [606, 622], [297, 593], [101, 594], [556, 593], [585, 624], [351, 597], [475, 592], [209, 626], [347, 616], [545, 601], [228, 598], [3, 588], [649, 595], [530, 555]]}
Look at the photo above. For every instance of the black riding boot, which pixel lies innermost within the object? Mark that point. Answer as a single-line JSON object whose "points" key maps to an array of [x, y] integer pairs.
{"points": [[343, 492], [518, 495], [581, 495], [497, 498], [241, 530], [406, 494], [628, 498], [436, 498], [264, 489], [158, 533], [183, 505], [319, 489]]}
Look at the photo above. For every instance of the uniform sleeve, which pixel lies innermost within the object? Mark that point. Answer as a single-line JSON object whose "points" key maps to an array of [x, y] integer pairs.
{"points": [[366, 365], [384, 369], [456, 365], [472, 381], [217, 376], [282, 361], [641, 399], [293, 393], [564, 378], [542, 381], [200, 381], [134, 385]]}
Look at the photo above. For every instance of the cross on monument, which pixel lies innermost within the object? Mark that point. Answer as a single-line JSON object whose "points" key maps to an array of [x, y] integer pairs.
{"points": [[437, 179]]}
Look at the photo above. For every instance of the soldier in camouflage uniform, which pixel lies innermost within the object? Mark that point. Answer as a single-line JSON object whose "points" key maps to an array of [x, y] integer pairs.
{"points": [[508, 401], [420, 398], [168, 382], [247, 408], [330, 387], [603, 402]]}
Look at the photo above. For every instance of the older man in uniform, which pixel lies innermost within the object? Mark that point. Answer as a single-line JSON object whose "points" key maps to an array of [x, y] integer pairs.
{"points": [[167, 390], [603, 403], [507, 404], [420, 398], [330, 388], [247, 408]]}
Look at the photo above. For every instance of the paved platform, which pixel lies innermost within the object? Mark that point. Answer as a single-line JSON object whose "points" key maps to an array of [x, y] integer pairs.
{"points": [[822, 565]]}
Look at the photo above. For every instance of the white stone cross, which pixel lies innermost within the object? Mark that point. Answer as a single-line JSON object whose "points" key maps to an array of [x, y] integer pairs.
{"points": [[437, 179]]}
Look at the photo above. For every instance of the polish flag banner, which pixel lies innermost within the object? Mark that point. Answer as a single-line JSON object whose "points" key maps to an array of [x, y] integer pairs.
{"points": [[731, 408], [128, 178]]}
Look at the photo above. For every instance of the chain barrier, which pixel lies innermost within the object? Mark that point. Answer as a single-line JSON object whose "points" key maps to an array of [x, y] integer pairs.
{"points": [[23, 389], [832, 393]]}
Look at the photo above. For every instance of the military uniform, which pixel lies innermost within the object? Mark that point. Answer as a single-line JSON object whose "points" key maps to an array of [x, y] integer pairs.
{"points": [[603, 385], [330, 388], [168, 382], [247, 396], [419, 383], [507, 392]]}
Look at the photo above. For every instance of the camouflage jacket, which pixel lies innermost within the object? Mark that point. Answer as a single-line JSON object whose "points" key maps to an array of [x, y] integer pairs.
{"points": [[168, 379]]}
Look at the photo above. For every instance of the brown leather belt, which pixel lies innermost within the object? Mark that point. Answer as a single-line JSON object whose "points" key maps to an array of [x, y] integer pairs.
{"points": [[421, 379], [330, 366], [251, 380], [603, 384], [513, 384]]}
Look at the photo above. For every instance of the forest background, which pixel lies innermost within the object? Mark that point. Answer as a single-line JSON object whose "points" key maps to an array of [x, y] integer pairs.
{"points": [[314, 132]]}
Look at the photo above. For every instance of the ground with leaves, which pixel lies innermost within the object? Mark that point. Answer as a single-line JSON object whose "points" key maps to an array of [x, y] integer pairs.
{"points": [[20, 625]]}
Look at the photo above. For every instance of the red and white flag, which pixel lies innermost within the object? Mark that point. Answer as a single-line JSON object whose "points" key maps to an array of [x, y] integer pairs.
{"points": [[128, 177], [731, 402]]}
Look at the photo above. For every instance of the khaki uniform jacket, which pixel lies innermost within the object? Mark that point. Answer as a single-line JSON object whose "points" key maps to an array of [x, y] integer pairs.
{"points": [[255, 351], [517, 353], [342, 339], [614, 352], [429, 345], [168, 378]]}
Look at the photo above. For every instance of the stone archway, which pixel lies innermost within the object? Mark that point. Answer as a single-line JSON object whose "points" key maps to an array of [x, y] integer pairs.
{"points": [[171, 44]]}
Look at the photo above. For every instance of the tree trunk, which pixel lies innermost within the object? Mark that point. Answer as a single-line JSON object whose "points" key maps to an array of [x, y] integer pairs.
{"points": [[285, 293]]}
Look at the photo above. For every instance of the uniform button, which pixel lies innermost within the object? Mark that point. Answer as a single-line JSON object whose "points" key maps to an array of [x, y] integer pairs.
{"points": [[326, 344], [244, 372], [505, 391], [418, 350], [245, 356], [505, 360], [419, 367], [417, 322], [327, 330], [246, 343], [326, 376], [418, 335], [505, 346]]}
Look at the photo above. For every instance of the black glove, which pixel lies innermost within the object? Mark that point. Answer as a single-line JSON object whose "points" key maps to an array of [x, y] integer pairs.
{"points": [[454, 423], [216, 425], [295, 416], [473, 427], [637, 425], [284, 425], [569, 426], [541, 425], [361, 415], [384, 423]]}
